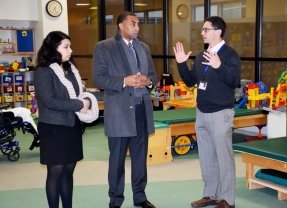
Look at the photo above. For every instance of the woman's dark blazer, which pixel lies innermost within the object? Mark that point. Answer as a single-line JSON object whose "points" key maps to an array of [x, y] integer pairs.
{"points": [[54, 103]]}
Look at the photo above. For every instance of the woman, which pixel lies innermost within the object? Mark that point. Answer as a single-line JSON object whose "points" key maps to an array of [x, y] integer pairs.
{"points": [[57, 87]]}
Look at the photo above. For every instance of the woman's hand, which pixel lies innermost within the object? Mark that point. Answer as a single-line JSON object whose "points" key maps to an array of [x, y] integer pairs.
{"points": [[86, 107]]}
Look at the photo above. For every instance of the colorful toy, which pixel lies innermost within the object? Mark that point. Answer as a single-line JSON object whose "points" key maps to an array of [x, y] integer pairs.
{"points": [[279, 96], [15, 65], [2, 68], [240, 93], [181, 96], [257, 96]]}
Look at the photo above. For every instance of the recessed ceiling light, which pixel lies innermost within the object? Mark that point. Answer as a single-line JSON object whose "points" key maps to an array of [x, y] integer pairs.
{"points": [[140, 4], [82, 4]]}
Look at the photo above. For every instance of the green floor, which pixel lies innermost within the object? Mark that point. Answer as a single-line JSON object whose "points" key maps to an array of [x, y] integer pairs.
{"points": [[95, 146], [169, 194], [174, 194]]}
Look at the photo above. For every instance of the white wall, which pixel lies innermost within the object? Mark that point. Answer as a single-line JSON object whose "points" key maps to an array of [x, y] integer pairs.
{"points": [[53, 23], [19, 10], [47, 23], [32, 14]]}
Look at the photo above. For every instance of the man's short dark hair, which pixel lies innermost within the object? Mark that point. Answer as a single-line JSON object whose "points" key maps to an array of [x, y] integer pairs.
{"points": [[218, 23], [123, 16]]}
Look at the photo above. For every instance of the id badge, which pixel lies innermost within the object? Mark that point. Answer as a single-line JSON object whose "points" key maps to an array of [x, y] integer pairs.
{"points": [[202, 85]]}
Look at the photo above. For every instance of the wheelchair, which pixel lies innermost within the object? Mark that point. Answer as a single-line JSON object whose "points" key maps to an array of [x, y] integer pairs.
{"points": [[8, 145]]}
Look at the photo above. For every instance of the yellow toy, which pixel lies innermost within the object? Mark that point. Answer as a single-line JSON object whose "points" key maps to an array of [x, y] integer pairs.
{"points": [[257, 96], [279, 96], [276, 99], [15, 65], [2, 68], [181, 96]]}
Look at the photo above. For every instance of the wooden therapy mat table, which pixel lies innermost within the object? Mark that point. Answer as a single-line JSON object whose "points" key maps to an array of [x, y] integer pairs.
{"points": [[182, 121], [271, 153]]}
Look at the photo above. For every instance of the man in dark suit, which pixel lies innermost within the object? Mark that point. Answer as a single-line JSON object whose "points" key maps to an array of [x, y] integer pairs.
{"points": [[123, 67], [216, 72]]}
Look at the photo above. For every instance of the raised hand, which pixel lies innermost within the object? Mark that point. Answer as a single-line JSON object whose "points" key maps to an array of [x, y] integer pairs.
{"points": [[179, 53], [212, 59]]}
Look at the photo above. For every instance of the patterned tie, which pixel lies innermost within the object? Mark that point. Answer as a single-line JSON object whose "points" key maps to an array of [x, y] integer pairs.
{"points": [[131, 47]]}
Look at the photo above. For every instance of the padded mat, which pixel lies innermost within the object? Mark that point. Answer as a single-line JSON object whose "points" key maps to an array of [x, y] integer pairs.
{"points": [[159, 125], [272, 148], [189, 115], [274, 176]]}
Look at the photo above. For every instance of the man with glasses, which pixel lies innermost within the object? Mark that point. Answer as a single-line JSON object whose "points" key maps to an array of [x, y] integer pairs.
{"points": [[216, 72]]}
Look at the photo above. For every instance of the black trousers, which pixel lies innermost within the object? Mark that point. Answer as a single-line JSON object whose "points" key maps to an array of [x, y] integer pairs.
{"points": [[138, 146]]}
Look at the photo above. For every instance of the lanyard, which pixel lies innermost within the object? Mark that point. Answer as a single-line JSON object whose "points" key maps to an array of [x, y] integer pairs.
{"points": [[205, 71], [206, 67]]}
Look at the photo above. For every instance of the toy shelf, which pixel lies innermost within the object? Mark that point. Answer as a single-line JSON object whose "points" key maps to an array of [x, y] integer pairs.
{"points": [[16, 42], [16, 88]]}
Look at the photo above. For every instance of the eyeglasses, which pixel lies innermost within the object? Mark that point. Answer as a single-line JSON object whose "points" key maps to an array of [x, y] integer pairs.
{"points": [[207, 29]]}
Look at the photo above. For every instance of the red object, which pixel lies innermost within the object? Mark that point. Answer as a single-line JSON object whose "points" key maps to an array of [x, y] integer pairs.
{"points": [[258, 137]]}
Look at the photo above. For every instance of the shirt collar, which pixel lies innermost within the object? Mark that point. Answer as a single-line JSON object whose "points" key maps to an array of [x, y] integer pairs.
{"points": [[127, 42], [216, 48]]}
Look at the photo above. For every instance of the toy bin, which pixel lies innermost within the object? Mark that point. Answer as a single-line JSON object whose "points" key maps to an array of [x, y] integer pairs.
{"points": [[29, 106], [19, 98], [30, 88], [8, 78], [19, 88], [8, 98], [19, 78], [8, 89], [29, 97]]}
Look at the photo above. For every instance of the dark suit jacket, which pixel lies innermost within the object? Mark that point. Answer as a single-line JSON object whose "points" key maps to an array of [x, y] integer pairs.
{"points": [[110, 66]]}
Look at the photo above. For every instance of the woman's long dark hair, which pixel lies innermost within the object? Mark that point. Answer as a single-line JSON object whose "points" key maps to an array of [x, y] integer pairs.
{"points": [[48, 53]]}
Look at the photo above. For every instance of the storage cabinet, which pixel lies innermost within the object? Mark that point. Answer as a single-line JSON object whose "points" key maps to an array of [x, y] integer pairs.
{"points": [[16, 88], [16, 58]]}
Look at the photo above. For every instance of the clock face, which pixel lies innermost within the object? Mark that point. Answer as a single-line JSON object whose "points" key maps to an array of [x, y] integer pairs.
{"points": [[54, 8], [182, 11]]}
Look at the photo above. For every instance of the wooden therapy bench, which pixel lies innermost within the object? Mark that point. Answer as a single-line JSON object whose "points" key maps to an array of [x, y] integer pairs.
{"points": [[272, 154], [182, 124]]}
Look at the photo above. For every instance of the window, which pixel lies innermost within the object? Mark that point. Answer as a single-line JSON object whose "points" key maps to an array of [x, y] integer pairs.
{"points": [[226, 10], [109, 19], [155, 17], [233, 10], [199, 12], [141, 16]]}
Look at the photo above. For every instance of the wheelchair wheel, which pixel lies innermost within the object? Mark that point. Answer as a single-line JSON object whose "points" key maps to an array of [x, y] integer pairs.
{"points": [[6, 149], [182, 144], [13, 155]]}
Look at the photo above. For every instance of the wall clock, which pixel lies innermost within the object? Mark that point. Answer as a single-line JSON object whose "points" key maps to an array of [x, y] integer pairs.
{"points": [[182, 11], [54, 8]]}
